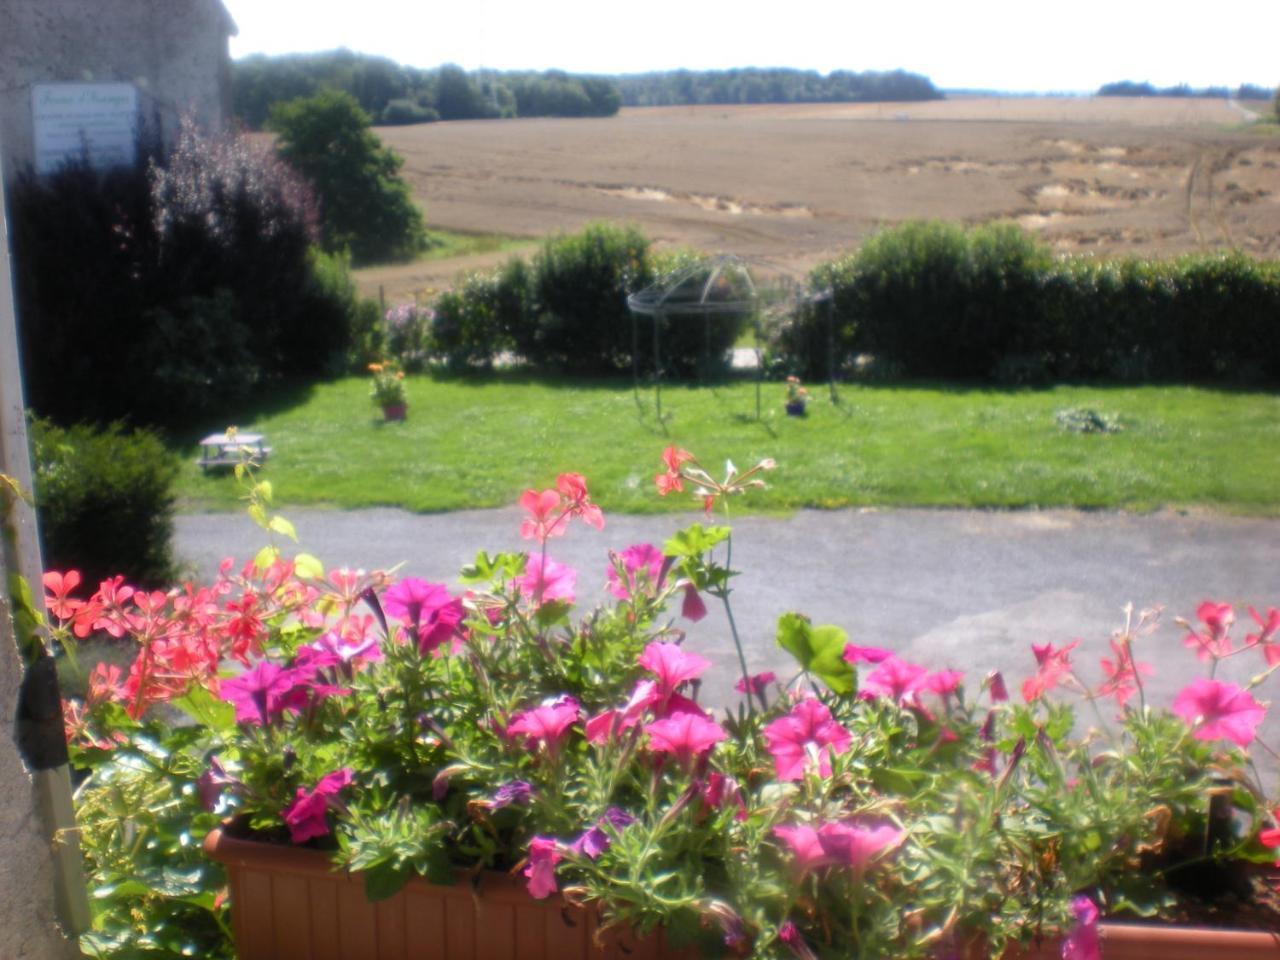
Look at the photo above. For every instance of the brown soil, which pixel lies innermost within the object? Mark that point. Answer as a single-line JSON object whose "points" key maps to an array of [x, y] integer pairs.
{"points": [[798, 184]]}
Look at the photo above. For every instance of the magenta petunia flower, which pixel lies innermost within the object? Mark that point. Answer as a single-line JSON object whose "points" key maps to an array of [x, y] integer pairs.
{"points": [[895, 680], [544, 854], [260, 694], [790, 935], [347, 649], [943, 682], [998, 692], [1219, 711], [806, 847], [641, 557], [305, 817], [808, 733], [755, 684], [546, 726], [671, 665], [687, 736], [546, 579], [1083, 943], [850, 845], [855, 654]]}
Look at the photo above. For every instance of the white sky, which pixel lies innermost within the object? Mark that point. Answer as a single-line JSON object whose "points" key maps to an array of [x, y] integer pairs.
{"points": [[1022, 45]]}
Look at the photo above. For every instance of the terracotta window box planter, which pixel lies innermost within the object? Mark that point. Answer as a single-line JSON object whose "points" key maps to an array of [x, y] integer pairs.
{"points": [[289, 902]]}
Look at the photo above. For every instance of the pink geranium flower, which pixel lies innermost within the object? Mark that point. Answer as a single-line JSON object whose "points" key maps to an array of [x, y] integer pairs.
{"points": [[1214, 642], [806, 735], [1122, 674], [1083, 943], [1266, 637], [1053, 666], [641, 558], [1219, 711], [544, 854], [672, 458], [895, 680], [546, 579], [547, 516], [305, 817], [57, 600], [671, 665], [686, 736], [545, 726]]}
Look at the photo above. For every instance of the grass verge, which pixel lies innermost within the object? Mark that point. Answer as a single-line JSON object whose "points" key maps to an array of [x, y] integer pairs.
{"points": [[447, 244], [479, 442]]}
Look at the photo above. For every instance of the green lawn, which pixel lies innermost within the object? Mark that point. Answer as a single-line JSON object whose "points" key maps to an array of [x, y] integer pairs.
{"points": [[479, 442]]}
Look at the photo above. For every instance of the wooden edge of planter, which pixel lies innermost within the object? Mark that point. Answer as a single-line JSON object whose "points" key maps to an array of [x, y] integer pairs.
{"points": [[1124, 940]]}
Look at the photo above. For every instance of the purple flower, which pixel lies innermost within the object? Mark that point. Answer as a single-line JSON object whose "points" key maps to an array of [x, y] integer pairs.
{"points": [[595, 840], [211, 783], [517, 791], [347, 650], [305, 817]]}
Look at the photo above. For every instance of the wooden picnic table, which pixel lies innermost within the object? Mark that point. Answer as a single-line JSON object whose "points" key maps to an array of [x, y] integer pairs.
{"points": [[226, 450]]}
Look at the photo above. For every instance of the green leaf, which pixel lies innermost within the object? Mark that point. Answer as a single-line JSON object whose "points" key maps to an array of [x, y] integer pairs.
{"points": [[384, 881], [206, 709], [695, 540], [266, 557], [818, 650], [308, 567], [283, 527]]}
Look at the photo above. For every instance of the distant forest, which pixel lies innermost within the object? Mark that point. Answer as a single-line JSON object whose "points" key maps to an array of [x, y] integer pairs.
{"points": [[1128, 88], [394, 94]]}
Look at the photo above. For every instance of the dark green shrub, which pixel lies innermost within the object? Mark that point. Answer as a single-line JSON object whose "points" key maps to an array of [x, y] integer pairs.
{"points": [[364, 204], [580, 284], [483, 316], [406, 328], [105, 502], [692, 345], [401, 112], [193, 280]]}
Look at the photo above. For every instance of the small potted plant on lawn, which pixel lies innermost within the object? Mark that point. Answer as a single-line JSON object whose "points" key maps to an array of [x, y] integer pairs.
{"points": [[493, 778], [797, 397], [388, 390]]}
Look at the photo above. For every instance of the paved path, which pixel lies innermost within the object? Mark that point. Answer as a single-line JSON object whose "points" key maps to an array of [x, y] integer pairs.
{"points": [[966, 589]]}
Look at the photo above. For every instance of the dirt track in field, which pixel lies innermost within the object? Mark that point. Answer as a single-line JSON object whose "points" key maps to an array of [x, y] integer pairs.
{"points": [[798, 184]]}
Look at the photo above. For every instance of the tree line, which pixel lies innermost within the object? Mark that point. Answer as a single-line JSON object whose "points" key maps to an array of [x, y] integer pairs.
{"points": [[391, 93], [1130, 88]]}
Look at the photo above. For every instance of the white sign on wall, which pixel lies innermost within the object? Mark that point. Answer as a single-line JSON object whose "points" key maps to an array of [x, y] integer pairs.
{"points": [[72, 117]]}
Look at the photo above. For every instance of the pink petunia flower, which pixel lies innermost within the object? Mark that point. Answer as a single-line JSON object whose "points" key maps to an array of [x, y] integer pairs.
{"points": [[641, 558], [686, 736], [671, 665], [806, 735], [944, 682], [755, 684], [546, 726], [544, 854], [1215, 641], [850, 845], [895, 680], [806, 847], [855, 654], [546, 579], [1084, 942], [790, 935], [305, 817], [261, 694], [1219, 711], [429, 611]]}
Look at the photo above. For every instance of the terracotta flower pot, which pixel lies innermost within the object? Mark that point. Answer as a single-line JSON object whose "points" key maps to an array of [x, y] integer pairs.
{"points": [[288, 903], [395, 411]]}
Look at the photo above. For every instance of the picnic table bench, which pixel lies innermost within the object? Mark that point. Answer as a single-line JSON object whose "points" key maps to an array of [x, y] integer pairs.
{"points": [[223, 450]]}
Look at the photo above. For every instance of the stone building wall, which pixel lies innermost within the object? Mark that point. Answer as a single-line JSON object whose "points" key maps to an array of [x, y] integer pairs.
{"points": [[174, 51]]}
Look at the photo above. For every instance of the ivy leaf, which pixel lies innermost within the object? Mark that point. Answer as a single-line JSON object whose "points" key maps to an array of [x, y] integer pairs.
{"points": [[818, 650]]}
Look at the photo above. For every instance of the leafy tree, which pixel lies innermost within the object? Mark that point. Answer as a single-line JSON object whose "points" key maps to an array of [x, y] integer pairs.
{"points": [[457, 97], [364, 204]]}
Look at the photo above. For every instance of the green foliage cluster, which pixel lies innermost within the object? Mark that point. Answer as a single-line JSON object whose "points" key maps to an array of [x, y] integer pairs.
{"points": [[105, 501], [936, 300], [365, 206], [394, 94], [566, 310], [1130, 88], [774, 85], [163, 292]]}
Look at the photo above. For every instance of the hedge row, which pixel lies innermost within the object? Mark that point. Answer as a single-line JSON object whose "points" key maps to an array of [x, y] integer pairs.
{"points": [[566, 310], [936, 300]]}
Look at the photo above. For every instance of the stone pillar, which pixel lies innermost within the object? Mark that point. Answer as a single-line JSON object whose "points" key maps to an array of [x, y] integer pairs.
{"points": [[42, 895]]}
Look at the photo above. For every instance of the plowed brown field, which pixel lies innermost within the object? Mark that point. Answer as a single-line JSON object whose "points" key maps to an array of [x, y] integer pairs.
{"points": [[797, 184]]}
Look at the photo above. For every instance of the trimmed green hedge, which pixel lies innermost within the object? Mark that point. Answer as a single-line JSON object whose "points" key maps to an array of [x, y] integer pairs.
{"points": [[936, 300], [104, 499]]}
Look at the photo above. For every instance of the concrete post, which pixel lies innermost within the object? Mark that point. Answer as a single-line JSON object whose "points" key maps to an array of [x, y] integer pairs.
{"points": [[42, 893]]}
